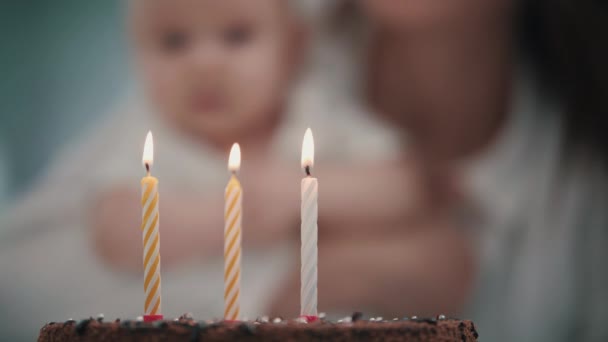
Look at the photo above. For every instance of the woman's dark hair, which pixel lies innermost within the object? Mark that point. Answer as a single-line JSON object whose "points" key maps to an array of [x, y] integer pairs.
{"points": [[568, 42]]}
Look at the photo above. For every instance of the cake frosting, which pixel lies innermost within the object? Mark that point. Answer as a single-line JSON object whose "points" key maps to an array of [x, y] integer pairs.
{"points": [[185, 328]]}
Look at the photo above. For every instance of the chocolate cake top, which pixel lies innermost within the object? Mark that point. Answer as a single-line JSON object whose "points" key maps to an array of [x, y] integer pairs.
{"points": [[185, 328]]}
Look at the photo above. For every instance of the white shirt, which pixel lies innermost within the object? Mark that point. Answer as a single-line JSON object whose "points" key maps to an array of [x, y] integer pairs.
{"points": [[543, 233]]}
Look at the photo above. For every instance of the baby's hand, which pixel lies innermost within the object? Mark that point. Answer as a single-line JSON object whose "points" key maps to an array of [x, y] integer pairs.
{"points": [[426, 271], [115, 222]]}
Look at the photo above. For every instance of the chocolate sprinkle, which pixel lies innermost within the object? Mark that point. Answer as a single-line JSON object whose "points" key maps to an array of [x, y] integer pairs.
{"points": [[160, 324], [186, 316], [431, 321], [356, 316], [473, 330], [247, 328], [195, 333], [81, 327]]}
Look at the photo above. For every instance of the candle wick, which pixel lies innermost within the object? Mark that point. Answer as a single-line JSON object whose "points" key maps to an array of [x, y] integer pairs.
{"points": [[148, 169], [307, 170]]}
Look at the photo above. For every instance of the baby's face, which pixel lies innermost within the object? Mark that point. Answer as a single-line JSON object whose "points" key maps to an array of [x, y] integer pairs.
{"points": [[214, 68]]}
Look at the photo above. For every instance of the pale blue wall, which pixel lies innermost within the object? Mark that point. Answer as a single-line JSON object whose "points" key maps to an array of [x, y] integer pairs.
{"points": [[3, 182], [62, 64]]}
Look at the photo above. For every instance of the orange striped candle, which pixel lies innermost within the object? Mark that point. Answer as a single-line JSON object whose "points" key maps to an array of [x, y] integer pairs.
{"points": [[232, 238], [151, 239]]}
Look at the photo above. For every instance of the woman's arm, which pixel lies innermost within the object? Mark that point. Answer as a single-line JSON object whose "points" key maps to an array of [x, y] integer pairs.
{"points": [[352, 196], [383, 194]]}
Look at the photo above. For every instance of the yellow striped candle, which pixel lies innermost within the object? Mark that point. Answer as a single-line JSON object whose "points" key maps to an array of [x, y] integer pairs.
{"points": [[232, 238], [151, 238]]}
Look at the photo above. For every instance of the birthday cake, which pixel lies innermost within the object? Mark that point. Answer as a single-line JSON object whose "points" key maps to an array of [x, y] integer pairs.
{"points": [[353, 328]]}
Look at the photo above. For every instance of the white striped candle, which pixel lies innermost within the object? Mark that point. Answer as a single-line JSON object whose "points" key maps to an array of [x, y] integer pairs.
{"points": [[308, 231]]}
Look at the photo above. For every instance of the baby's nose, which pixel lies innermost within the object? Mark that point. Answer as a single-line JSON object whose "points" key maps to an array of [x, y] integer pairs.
{"points": [[207, 58]]}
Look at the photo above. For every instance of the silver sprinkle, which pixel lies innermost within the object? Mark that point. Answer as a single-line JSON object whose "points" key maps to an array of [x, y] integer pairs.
{"points": [[379, 318], [100, 316], [414, 317], [139, 319], [372, 319], [322, 315], [265, 319], [441, 317], [276, 320], [339, 321], [301, 320], [395, 319]]}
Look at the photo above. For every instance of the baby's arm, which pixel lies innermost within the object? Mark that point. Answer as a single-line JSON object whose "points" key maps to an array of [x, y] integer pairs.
{"points": [[190, 226]]}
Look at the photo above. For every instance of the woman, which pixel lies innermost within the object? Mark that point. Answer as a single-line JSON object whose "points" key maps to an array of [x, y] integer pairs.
{"points": [[506, 96]]}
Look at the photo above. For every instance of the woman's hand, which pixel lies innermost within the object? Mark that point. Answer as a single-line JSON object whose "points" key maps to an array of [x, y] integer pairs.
{"points": [[271, 202], [423, 271]]}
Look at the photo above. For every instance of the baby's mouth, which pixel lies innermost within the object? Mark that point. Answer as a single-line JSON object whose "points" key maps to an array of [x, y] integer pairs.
{"points": [[208, 103]]}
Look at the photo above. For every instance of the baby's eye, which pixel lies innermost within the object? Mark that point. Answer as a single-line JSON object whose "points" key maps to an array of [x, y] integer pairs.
{"points": [[174, 41], [238, 35]]}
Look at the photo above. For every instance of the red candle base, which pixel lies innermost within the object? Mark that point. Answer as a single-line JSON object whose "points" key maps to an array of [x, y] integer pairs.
{"points": [[152, 318], [310, 319]]}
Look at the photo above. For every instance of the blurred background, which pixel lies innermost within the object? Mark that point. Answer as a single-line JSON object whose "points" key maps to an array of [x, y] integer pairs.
{"points": [[63, 66], [462, 155]]}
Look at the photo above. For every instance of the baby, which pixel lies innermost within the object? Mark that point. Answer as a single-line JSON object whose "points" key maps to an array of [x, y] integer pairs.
{"points": [[215, 72], [212, 73], [218, 71], [223, 71]]}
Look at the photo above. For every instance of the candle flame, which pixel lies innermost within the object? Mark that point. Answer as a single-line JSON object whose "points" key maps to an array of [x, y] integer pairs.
{"points": [[148, 157], [308, 150], [234, 161]]}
